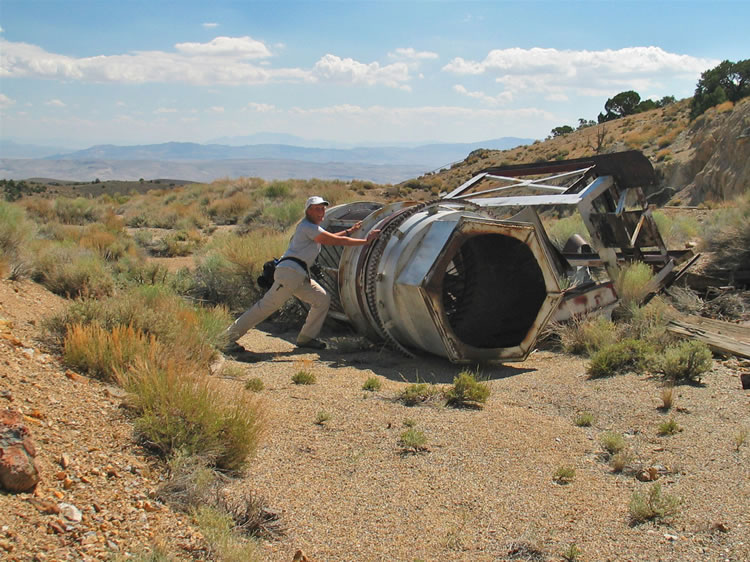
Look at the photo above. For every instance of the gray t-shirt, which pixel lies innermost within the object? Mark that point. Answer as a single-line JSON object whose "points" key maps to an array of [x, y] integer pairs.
{"points": [[303, 245]]}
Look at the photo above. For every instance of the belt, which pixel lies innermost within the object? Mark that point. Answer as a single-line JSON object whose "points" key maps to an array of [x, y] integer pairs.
{"points": [[298, 261]]}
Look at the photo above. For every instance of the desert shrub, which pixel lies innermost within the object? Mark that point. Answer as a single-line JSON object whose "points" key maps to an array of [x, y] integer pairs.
{"points": [[584, 336], [181, 409], [141, 272], [631, 283], [564, 474], [584, 419], [71, 271], [652, 505], [193, 332], [277, 190], [322, 417], [678, 230], [419, 393], [75, 211], [254, 384], [303, 377], [572, 553], [102, 353], [413, 440], [620, 357], [562, 229], [176, 244], [728, 239], [612, 442], [217, 527], [228, 271], [686, 361], [372, 384], [15, 233], [620, 461], [669, 427], [647, 323], [466, 390], [284, 213], [229, 210]]}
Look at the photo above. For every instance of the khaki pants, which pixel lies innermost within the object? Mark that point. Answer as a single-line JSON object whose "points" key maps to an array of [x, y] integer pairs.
{"points": [[287, 282]]}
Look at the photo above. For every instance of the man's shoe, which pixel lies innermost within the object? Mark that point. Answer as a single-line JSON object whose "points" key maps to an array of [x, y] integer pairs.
{"points": [[311, 344], [236, 351]]}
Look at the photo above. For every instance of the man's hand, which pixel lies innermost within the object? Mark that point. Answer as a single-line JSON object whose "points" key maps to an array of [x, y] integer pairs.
{"points": [[372, 235]]}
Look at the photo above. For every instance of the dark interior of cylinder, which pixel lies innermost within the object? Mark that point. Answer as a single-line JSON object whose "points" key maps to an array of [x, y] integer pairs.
{"points": [[493, 289]]}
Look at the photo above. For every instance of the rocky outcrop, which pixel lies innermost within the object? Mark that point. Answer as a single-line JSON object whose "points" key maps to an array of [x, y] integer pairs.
{"points": [[718, 165], [19, 471]]}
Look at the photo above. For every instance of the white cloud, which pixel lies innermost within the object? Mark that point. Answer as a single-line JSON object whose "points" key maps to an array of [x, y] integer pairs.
{"points": [[241, 47], [260, 107], [331, 68], [120, 103], [559, 75], [216, 109], [210, 24], [411, 54], [5, 101], [55, 103], [499, 99], [160, 110]]}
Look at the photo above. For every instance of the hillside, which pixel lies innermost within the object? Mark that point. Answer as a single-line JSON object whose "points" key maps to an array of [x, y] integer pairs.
{"points": [[708, 159]]}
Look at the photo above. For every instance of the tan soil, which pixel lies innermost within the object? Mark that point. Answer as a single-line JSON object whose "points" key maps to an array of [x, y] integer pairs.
{"points": [[483, 490]]}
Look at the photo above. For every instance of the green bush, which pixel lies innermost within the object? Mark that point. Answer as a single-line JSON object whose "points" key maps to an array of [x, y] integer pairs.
{"points": [[419, 393], [669, 427], [584, 419], [303, 377], [183, 410], [612, 442], [466, 390], [71, 271], [413, 440], [652, 505], [15, 229], [75, 211], [631, 283], [620, 357], [564, 474], [254, 384], [686, 361], [588, 335], [372, 384]]}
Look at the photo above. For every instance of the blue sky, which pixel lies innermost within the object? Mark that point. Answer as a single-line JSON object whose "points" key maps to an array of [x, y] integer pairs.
{"points": [[79, 72]]}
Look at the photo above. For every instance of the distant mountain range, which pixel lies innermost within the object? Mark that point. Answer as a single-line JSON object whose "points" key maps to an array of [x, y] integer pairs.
{"points": [[205, 162]]}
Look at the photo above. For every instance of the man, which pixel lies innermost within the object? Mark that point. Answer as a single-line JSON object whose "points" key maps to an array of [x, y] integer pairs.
{"points": [[292, 277]]}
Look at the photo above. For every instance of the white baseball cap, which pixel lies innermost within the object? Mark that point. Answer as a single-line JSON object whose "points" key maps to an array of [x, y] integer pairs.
{"points": [[315, 200]]}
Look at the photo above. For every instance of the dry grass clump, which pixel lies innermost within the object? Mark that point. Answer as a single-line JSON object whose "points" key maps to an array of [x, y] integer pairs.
{"points": [[194, 332], [564, 474], [584, 336], [102, 353], [179, 408], [303, 377], [669, 427], [584, 419], [372, 384], [612, 442]]}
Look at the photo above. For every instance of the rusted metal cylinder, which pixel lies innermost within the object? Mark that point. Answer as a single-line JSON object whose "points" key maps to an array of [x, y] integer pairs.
{"points": [[443, 277]]}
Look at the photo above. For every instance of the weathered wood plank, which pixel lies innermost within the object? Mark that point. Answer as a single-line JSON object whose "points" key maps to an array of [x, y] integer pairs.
{"points": [[719, 336]]}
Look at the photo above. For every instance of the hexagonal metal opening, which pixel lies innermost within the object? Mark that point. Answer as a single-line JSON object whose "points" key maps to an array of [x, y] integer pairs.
{"points": [[492, 291]]}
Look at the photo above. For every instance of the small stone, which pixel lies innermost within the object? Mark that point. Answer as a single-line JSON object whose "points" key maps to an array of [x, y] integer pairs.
{"points": [[723, 527], [45, 506], [67, 483], [64, 460], [6, 545], [19, 471], [70, 512], [58, 494], [150, 507], [111, 472], [112, 545], [670, 537], [61, 475], [56, 527], [75, 377]]}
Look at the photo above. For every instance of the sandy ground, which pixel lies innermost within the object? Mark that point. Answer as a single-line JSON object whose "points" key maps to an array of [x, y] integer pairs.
{"points": [[483, 489]]}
